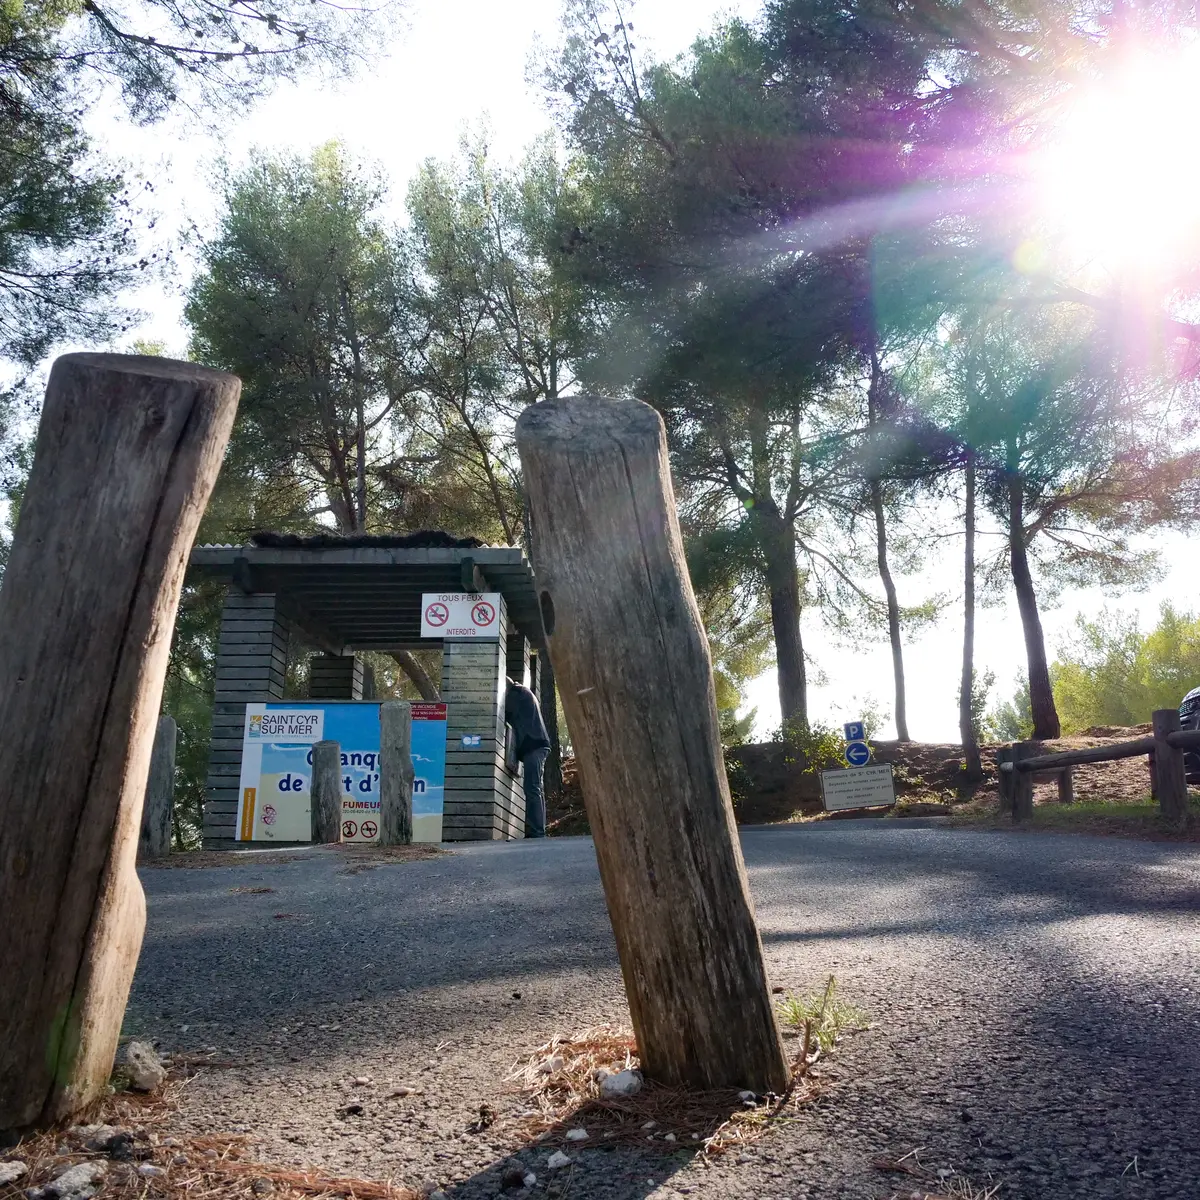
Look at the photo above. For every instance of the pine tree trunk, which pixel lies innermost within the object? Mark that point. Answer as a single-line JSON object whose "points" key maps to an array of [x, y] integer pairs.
{"points": [[1041, 695], [893, 612], [419, 677], [966, 723], [783, 584]]}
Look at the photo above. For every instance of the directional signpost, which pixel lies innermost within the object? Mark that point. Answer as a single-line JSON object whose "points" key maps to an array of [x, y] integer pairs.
{"points": [[863, 787], [858, 754]]}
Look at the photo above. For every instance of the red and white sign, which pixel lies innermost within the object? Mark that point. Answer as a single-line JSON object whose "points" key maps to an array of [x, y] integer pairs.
{"points": [[460, 615]]}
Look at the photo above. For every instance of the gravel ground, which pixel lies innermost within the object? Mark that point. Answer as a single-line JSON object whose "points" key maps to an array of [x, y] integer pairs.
{"points": [[1036, 1000]]}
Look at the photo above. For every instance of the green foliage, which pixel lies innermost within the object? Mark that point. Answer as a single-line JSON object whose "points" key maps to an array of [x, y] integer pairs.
{"points": [[188, 697], [814, 747], [981, 687], [826, 1016], [1110, 673], [1011, 720]]}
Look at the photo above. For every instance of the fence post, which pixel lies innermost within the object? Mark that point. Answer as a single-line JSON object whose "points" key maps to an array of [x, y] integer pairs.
{"points": [[1022, 794], [155, 838], [1004, 779], [325, 795], [632, 665], [128, 450], [395, 773], [1066, 785], [1168, 767]]}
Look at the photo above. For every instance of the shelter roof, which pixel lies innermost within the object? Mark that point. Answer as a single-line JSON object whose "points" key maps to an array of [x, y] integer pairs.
{"points": [[364, 593]]}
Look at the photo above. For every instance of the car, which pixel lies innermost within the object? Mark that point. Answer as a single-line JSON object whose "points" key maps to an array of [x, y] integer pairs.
{"points": [[1189, 718]]}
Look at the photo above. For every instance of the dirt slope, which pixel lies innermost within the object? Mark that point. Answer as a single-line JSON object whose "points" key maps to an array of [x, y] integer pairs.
{"points": [[770, 784]]}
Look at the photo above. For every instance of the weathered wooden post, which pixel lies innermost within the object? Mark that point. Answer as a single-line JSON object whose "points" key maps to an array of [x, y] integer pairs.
{"points": [[1022, 785], [1004, 778], [632, 666], [1066, 785], [127, 452], [1168, 767], [395, 773], [154, 840], [325, 794]]}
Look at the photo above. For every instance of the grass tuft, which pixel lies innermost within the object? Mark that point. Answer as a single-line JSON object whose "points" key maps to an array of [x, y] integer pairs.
{"points": [[825, 1017]]}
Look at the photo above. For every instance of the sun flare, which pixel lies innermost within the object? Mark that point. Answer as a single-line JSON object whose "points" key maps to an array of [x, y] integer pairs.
{"points": [[1119, 181]]}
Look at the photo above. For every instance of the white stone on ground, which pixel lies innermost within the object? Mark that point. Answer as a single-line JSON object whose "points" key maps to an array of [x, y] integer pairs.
{"points": [[10, 1172], [145, 1068], [577, 1135], [626, 1083], [556, 1160]]}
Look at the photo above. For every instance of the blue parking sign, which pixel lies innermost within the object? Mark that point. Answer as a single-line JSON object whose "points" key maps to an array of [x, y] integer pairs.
{"points": [[855, 731]]}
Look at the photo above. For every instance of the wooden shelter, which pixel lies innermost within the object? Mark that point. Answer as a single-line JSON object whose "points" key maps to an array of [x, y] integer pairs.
{"points": [[348, 595]]}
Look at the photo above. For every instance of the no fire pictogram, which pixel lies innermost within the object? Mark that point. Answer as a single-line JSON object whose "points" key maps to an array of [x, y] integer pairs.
{"points": [[368, 829], [461, 615], [349, 829]]}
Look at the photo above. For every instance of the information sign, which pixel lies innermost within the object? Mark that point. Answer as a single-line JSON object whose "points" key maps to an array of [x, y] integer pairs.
{"points": [[460, 615], [276, 778], [866, 787]]}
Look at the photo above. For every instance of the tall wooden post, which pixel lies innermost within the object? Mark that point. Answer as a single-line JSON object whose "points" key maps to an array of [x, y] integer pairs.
{"points": [[395, 773], [155, 838], [1022, 783], [632, 664], [128, 449], [325, 794], [1168, 767], [1004, 778]]}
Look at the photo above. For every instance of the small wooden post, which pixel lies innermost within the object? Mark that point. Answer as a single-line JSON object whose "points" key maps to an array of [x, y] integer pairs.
{"points": [[1168, 767], [632, 664], [1004, 778], [395, 773], [1066, 786], [1022, 793], [128, 450], [159, 806], [325, 795]]}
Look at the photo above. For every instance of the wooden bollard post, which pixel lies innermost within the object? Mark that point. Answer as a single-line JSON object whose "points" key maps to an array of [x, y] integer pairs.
{"points": [[1022, 786], [1004, 778], [325, 795], [1066, 786], [1168, 767], [396, 773], [632, 665], [128, 449], [154, 840]]}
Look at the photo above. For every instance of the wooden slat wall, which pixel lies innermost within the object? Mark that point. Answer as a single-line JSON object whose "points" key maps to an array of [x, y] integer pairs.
{"points": [[251, 667], [335, 677], [481, 800]]}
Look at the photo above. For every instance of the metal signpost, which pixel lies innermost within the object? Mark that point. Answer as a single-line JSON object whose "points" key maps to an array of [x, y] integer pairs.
{"points": [[863, 786]]}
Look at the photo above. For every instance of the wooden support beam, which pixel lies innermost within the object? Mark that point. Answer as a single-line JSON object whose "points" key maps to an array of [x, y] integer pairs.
{"points": [[1168, 767], [1004, 778], [1022, 781], [1066, 786], [128, 449], [396, 773], [632, 662], [325, 794], [154, 840]]}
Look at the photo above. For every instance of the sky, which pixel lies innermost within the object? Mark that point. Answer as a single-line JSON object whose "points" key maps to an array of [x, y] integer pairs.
{"points": [[453, 65]]}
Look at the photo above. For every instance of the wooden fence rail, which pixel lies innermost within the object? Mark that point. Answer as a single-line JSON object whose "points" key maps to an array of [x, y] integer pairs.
{"points": [[1019, 762]]}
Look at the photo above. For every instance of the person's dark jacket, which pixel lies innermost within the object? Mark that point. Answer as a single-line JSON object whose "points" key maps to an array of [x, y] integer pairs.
{"points": [[522, 712]]}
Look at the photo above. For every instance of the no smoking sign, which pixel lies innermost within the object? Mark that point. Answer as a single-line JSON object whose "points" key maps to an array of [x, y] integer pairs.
{"points": [[460, 615]]}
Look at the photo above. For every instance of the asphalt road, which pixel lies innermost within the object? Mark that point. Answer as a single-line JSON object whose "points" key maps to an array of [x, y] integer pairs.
{"points": [[1036, 1002]]}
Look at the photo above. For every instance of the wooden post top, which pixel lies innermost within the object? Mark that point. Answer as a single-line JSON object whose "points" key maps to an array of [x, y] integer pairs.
{"points": [[145, 366]]}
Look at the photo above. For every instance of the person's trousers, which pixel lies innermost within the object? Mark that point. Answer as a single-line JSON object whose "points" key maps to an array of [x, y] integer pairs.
{"points": [[535, 799]]}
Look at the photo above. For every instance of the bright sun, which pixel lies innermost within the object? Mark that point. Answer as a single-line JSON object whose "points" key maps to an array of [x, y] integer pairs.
{"points": [[1120, 182]]}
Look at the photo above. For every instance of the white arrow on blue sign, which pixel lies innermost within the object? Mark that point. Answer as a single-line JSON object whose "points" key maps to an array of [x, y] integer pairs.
{"points": [[858, 754], [855, 731]]}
